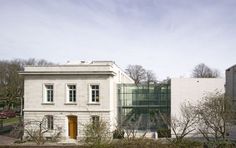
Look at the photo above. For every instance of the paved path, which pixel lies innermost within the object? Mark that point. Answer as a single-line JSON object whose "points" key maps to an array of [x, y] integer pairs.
{"points": [[4, 140]]}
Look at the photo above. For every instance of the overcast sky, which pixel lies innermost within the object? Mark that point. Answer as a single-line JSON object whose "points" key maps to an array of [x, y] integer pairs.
{"points": [[167, 36]]}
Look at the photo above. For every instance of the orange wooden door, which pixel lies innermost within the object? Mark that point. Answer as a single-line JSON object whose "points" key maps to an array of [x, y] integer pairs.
{"points": [[72, 124]]}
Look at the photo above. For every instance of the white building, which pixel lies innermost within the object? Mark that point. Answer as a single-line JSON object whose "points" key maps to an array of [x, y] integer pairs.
{"points": [[192, 90], [146, 105], [72, 95]]}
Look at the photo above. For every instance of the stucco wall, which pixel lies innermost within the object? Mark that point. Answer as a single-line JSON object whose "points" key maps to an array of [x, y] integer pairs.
{"points": [[34, 92], [61, 121], [192, 90], [36, 109]]}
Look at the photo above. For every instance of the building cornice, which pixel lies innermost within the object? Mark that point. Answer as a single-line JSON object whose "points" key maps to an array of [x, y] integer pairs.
{"points": [[58, 110], [112, 73]]}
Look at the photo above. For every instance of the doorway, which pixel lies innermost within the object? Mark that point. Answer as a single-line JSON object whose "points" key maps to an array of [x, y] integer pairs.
{"points": [[72, 127]]}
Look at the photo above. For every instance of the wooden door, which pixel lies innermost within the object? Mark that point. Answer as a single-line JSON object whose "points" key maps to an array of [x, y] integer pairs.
{"points": [[72, 124]]}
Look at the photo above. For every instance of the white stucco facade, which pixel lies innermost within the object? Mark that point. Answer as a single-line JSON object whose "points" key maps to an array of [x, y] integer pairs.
{"points": [[192, 90], [105, 74]]}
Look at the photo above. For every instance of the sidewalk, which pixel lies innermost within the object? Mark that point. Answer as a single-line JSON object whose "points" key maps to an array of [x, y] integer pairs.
{"points": [[4, 140]]}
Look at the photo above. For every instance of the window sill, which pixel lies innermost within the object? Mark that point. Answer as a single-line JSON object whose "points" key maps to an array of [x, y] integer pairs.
{"points": [[70, 103], [47, 103], [93, 103]]}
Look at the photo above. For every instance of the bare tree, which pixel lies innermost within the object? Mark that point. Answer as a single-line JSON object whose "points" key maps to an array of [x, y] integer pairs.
{"points": [[11, 83], [215, 116], [36, 131], [131, 129], [137, 73], [150, 76], [184, 124], [40, 62], [203, 71]]}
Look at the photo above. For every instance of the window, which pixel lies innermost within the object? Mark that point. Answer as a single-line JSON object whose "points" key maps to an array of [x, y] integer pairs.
{"points": [[71, 95], [94, 93], [49, 122], [95, 120], [49, 93]]}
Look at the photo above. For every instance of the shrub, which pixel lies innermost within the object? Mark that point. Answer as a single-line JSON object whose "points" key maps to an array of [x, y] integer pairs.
{"points": [[220, 144], [118, 134], [37, 131], [187, 143], [164, 133], [97, 134], [140, 143]]}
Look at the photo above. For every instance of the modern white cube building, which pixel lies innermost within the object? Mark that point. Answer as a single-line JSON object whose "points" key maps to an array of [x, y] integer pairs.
{"points": [[192, 90]]}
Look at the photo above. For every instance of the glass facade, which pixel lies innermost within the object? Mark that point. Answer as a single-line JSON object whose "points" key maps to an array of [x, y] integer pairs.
{"points": [[144, 106]]}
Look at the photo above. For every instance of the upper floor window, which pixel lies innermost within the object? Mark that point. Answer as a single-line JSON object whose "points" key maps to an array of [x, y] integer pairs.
{"points": [[94, 93], [49, 119], [48, 93], [71, 93]]}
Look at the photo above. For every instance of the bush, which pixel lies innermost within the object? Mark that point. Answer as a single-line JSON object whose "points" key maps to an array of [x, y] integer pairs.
{"points": [[220, 144], [139, 143], [187, 143], [164, 133], [118, 134], [151, 143], [97, 134], [37, 131]]}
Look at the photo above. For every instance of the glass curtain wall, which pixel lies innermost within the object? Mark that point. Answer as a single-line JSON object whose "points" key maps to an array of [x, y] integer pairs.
{"points": [[144, 107]]}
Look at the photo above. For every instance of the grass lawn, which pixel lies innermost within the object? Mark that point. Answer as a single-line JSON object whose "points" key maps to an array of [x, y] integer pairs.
{"points": [[10, 121]]}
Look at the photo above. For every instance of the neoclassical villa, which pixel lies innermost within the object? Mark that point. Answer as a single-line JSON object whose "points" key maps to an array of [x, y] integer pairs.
{"points": [[71, 95]]}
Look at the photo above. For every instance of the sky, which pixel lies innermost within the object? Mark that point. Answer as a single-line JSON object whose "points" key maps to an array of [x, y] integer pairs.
{"points": [[169, 37]]}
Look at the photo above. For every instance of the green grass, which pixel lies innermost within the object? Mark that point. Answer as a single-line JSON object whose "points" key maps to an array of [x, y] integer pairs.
{"points": [[10, 121]]}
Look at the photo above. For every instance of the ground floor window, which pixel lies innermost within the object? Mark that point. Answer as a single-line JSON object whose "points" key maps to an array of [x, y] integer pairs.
{"points": [[95, 120], [49, 122]]}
